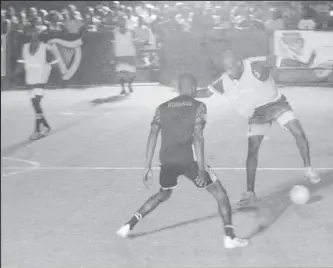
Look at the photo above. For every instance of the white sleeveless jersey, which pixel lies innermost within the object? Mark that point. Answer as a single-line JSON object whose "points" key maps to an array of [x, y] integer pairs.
{"points": [[123, 45], [37, 70], [249, 92]]}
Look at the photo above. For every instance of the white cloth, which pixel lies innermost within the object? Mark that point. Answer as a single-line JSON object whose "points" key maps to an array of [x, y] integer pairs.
{"points": [[275, 24], [248, 93], [123, 45], [307, 25], [37, 70]]}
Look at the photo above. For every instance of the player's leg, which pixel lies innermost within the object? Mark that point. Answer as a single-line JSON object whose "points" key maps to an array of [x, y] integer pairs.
{"points": [[291, 123], [168, 181], [36, 134], [41, 115], [215, 188], [131, 79], [131, 72], [122, 81], [256, 133], [36, 92]]}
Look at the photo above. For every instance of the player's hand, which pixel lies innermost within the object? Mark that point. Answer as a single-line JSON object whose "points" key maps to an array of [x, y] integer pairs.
{"points": [[148, 177], [200, 181]]}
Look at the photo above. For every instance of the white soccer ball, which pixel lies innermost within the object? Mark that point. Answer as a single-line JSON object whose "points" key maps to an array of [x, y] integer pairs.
{"points": [[299, 195]]}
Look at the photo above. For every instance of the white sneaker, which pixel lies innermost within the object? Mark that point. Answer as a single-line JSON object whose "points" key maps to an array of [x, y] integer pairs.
{"points": [[312, 175], [236, 242], [124, 231], [247, 199]]}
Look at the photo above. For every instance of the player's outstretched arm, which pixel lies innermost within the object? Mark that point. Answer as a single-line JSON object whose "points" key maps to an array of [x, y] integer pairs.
{"points": [[152, 139], [204, 93], [216, 86]]}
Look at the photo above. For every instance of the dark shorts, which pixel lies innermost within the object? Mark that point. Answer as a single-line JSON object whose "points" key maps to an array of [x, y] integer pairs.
{"points": [[170, 172], [270, 111]]}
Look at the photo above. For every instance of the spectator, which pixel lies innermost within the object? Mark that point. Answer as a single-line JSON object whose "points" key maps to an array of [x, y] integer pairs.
{"points": [[73, 20], [55, 26], [5, 23], [38, 23], [307, 21], [92, 21], [276, 22], [131, 20]]}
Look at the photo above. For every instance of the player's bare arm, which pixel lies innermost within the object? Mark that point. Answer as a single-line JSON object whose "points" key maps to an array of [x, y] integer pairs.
{"points": [[50, 57], [216, 86], [152, 139], [198, 138]]}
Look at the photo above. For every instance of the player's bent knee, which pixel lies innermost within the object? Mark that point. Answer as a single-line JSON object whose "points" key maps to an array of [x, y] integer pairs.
{"points": [[286, 118], [217, 190], [164, 194]]}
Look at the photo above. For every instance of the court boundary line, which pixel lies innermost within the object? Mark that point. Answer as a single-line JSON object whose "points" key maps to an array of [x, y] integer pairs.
{"points": [[33, 166], [156, 168]]}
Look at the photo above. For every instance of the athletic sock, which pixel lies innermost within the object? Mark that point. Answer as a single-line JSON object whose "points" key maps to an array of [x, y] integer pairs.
{"points": [[43, 120], [229, 231], [38, 122], [134, 220]]}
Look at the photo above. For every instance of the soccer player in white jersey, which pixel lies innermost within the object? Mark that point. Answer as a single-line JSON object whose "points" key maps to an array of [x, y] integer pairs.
{"points": [[253, 93], [36, 56]]}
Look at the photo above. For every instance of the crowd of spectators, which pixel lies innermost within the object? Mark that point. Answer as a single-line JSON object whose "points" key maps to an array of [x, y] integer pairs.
{"points": [[185, 16]]}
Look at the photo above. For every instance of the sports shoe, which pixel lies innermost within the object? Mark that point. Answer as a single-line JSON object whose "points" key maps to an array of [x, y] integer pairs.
{"points": [[46, 131], [312, 175], [124, 231], [247, 199], [235, 242], [35, 136]]}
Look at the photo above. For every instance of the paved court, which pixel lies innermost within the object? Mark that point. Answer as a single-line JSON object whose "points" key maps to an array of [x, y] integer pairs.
{"points": [[64, 196]]}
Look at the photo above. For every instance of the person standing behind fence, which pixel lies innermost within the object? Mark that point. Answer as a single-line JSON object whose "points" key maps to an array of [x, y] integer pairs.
{"points": [[125, 54]]}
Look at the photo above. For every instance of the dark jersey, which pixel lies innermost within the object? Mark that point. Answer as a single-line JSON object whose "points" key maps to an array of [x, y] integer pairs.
{"points": [[177, 119]]}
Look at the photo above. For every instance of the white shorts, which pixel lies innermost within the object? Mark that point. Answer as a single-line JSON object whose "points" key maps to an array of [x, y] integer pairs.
{"points": [[35, 92], [262, 129]]}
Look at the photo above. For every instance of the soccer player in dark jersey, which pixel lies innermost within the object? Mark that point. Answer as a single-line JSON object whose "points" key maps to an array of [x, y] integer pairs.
{"points": [[181, 122], [253, 93]]}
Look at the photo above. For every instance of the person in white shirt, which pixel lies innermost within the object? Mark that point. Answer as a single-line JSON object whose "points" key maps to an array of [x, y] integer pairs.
{"points": [[37, 59], [253, 93], [307, 21], [125, 54]]}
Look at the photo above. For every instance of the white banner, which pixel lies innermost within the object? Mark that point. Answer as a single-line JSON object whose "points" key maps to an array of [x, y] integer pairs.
{"points": [[3, 55], [300, 45]]}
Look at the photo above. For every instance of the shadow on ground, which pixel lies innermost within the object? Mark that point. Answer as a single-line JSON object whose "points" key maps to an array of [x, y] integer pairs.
{"points": [[109, 99], [270, 207], [14, 148]]}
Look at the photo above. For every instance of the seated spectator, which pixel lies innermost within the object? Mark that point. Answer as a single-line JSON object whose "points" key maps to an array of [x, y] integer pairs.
{"points": [[307, 21], [276, 22]]}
